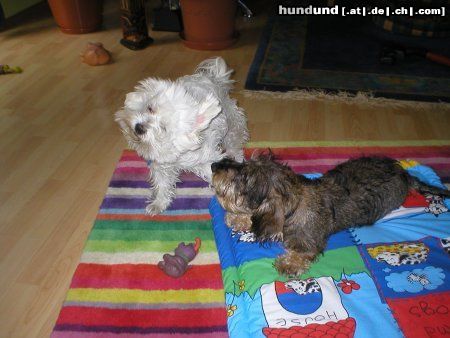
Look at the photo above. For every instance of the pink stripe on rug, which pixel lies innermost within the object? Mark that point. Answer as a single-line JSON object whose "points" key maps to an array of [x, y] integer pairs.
{"points": [[71, 334], [334, 161], [131, 158], [323, 168], [132, 170], [346, 156], [306, 169], [132, 164], [433, 160], [315, 162], [119, 176]]}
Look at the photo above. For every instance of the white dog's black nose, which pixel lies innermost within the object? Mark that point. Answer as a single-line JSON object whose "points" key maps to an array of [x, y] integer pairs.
{"points": [[139, 129], [214, 166]]}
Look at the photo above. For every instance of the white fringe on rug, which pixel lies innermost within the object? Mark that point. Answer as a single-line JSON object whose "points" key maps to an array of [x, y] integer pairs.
{"points": [[361, 98]]}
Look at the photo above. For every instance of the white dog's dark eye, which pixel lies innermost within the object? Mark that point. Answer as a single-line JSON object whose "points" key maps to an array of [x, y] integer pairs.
{"points": [[150, 110]]}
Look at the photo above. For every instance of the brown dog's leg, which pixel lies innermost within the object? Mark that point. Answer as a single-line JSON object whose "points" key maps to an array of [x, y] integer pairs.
{"points": [[267, 224], [299, 255], [238, 222], [294, 263]]}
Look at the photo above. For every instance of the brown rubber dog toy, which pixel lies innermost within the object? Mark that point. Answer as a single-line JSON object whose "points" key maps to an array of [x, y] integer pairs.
{"points": [[177, 264], [95, 54]]}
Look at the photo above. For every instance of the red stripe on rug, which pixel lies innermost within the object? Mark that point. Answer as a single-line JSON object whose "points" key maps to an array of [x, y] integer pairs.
{"points": [[315, 152], [131, 153], [148, 284], [331, 152], [145, 277], [92, 316]]}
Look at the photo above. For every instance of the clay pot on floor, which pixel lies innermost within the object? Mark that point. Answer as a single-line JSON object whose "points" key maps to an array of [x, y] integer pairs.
{"points": [[77, 16], [208, 24]]}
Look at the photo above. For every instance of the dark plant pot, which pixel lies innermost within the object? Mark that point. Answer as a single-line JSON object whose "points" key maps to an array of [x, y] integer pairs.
{"points": [[77, 16], [208, 24]]}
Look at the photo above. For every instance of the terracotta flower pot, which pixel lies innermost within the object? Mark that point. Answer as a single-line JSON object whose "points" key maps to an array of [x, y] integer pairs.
{"points": [[77, 16], [208, 24]]}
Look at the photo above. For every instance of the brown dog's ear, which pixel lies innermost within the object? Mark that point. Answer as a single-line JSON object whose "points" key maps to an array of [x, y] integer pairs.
{"points": [[255, 154], [264, 155], [268, 223]]}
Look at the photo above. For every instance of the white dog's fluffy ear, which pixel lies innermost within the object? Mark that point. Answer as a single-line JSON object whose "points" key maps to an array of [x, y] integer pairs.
{"points": [[207, 110], [134, 100]]}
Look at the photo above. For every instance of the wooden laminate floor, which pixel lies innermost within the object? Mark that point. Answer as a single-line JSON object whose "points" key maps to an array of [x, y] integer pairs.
{"points": [[59, 145]]}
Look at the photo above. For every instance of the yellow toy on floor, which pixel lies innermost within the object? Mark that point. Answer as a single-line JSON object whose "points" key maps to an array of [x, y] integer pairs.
{"points": [[5, 69]]}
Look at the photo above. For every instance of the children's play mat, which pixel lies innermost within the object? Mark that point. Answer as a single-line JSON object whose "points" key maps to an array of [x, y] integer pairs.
{"points": [[387, 280]]}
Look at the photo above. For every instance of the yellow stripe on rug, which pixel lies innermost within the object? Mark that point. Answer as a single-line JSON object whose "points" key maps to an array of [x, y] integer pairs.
{"points": [[145, 296], [202, 258]]}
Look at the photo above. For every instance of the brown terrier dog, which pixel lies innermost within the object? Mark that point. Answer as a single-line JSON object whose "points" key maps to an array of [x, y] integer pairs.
{"points": [[273, 202]]}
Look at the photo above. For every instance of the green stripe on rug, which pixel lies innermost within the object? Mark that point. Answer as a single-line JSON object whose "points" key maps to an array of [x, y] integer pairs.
{"points": [[152, 235], [349, 143], [150, 225], [125, 246]]}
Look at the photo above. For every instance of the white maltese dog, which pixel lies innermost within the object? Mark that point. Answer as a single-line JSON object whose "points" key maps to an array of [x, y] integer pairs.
{"points": [[183, 125]]}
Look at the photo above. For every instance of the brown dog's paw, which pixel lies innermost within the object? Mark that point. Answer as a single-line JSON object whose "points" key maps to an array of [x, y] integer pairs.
{"points": [[229, 219], [267, 235], [238, 222], [272, 237], [278, 237], [293, 263]]}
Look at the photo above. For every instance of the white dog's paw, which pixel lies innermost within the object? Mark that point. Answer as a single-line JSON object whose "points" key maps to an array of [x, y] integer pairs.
{"points": [[155, 208]]}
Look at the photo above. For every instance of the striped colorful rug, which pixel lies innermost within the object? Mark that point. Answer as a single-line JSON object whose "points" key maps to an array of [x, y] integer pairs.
{"points": [[309, 157], [117, 289]]}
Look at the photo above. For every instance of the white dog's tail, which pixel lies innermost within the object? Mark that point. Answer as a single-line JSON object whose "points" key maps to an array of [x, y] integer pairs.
{"points": [[217, 71]]}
